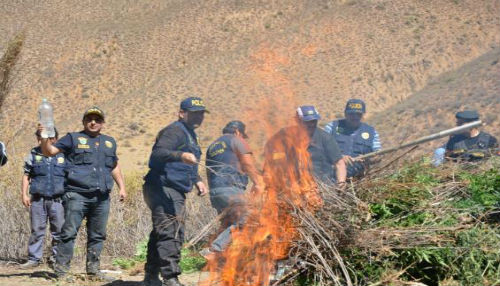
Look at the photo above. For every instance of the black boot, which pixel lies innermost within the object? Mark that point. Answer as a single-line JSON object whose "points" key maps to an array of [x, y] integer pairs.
{"points": [[151, 279], [172, 282]]}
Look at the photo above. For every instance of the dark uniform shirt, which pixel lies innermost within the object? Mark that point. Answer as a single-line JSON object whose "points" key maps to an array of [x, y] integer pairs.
{"points": [[323, 150], [165, 148], [471, 143]]}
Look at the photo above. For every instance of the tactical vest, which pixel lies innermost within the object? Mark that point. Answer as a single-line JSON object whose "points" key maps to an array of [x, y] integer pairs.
{"points": [[47, 174], [178, 175], [90, 163], [224, 165], [479, 150], [358, 143]]}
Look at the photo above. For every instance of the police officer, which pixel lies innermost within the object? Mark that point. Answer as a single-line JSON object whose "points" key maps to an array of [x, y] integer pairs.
{"points": [[92, 165], [230, 164], [473, 144], [44, 176], [324, 153], [173, 173], [354, 137]]}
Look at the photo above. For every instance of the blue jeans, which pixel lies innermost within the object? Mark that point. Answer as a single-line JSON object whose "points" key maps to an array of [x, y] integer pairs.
{"points": [[231, 200], [77, 206], [42, 209]]}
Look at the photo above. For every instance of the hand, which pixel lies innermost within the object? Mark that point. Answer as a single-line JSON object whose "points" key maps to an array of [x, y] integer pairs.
{"points": [[189, 158], [342, 186], [350, 160], [26, 201], [123, 195], [202, 189], [40, 128]]}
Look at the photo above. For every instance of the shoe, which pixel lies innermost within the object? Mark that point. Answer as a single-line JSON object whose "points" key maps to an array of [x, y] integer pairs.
{"points": [[100, 277], [29, 264], [172, 282], [151, 280]]}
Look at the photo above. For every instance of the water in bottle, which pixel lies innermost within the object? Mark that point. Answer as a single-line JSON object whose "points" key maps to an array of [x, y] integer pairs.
{"points": [[46, 118]]}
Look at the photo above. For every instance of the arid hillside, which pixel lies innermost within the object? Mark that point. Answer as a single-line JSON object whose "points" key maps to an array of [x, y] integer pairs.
{"points": [[475, 85], [252, 60]]}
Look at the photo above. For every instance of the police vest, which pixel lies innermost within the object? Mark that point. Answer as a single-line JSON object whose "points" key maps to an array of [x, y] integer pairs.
{"points": [[224, 165], [90, 163], [358, 143], [178, 175], [47, 174], [477, 151]]}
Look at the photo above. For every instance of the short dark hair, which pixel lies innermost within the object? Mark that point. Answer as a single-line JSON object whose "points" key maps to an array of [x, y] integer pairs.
{"points": [[38, 133]]}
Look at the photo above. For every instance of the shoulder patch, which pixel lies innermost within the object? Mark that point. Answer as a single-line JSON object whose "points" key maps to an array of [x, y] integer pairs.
{"points": [[108, 144], [38, 158], [60, 160], [365, 135]]}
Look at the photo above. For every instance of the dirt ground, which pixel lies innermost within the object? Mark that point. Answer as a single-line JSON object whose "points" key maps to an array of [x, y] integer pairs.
{"points": [[11, 275]]}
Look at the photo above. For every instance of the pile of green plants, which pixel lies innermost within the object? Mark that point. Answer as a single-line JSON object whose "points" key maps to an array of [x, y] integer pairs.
{"points": [[416, 224]]}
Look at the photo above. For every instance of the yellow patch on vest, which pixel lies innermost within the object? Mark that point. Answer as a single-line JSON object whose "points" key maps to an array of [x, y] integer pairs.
{"points": [[365, 135], [82, 140], [38, 158], [83, 146], [60, 160], [278, 156], [108, 144]]}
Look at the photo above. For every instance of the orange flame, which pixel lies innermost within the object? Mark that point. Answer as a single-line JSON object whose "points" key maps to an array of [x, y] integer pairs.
{"points": [[269, 229]]}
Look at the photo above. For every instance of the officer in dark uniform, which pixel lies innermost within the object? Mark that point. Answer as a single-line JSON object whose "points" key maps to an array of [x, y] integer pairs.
{"points": [[92, 165], [230, 163], [173, 173], [325, 155], [44, 177], [354, 137], [473, 144]]}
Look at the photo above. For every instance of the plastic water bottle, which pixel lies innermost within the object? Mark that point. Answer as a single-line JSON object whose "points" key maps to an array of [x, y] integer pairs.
{"points": [[46, 118]]}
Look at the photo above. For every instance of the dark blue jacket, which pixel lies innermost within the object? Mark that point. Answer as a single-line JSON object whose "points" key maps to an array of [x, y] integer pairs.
{"points": [[174, 173], [47, 174], [224, 165], [90, 163]]}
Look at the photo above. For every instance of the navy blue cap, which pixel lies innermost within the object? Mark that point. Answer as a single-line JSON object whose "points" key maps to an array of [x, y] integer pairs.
{"points": [[355, 106], [308, 113], [234, 125], [467, 115], [193, 104]]}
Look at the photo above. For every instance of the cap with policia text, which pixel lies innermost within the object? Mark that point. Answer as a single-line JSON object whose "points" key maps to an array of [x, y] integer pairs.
{"points": [[234, 125], [94, 110], [467, 115], [355, 106], [193, 104], [308, 113]]}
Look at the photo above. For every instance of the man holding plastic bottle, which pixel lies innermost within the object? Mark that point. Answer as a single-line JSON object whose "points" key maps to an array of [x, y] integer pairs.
{"points": [[92, 165]]}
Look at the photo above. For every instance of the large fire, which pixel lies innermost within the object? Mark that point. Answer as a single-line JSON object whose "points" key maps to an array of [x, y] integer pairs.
{"points": [[266, 236]]}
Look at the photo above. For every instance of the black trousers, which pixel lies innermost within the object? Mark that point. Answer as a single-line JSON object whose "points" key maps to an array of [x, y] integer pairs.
{"points": [[167, 236]]}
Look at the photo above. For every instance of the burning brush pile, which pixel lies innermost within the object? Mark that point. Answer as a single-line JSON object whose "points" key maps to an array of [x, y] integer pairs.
{"points": [[410, 225]]}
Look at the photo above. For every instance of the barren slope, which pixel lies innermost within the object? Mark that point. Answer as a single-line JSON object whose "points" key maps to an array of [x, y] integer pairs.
{"points": [[137, 60]]}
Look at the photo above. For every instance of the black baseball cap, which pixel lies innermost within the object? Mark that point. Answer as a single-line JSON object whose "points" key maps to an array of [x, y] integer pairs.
{"points": [[467, 115], [234, 125], [355, 106], [193, 104], [94, 110]]}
